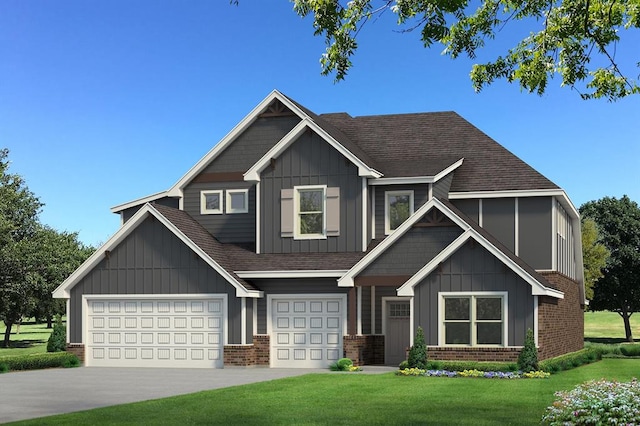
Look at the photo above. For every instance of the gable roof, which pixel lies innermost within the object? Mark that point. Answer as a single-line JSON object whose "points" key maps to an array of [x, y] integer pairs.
{"points": [[182, 226], [471, 230]]}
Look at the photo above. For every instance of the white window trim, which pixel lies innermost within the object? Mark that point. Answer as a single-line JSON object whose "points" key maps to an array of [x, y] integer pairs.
{"points": [[203, 202], [296, 212], [229, 208], [387, 229], [473, 294]]}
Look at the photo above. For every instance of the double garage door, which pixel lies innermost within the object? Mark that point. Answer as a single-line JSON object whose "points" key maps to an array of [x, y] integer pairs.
{"points": [[155, 332], [306, 332]]}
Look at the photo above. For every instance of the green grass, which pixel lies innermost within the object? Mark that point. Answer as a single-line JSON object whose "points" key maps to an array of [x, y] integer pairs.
{"points": [[607, 327], [354, 398], [31, 340]]}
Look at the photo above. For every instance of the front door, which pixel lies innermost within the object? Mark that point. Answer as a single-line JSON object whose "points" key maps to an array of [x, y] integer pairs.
{"points": [[396, 331]]}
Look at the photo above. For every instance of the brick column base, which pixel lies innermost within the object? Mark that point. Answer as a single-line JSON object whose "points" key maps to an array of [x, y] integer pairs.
{"points": [[77, 349], [261, 343], [239, 355]]}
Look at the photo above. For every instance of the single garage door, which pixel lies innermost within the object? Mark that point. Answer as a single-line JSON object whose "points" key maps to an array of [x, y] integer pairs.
{"points": [[155, 332], [306, 333]]}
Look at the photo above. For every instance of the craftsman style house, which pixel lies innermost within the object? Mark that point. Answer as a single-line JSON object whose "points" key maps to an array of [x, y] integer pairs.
{"points": [[302, 238]]}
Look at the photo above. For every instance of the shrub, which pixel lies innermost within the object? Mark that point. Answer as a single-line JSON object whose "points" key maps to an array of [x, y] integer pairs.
{"points": [[40, 361], [403, 365], [471, 365], [630, 350], [3, 367], [58, 339], [528, 357], [571, 360], [596, 402], [343, 364], [418, 352]]}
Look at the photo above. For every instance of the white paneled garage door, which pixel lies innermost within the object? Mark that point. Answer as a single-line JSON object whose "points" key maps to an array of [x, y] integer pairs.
{"points": [[160, 332], [306, 332]]}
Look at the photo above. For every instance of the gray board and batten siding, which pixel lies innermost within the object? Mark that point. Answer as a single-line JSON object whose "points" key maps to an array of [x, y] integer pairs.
{"points": [[227, 228], [412, 251], [292, 286], [534, 225], [420, 196], [472, 269], [153, 261], [310, 160]]}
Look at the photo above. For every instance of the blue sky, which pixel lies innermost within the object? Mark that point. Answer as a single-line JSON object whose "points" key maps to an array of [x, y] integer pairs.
{"points": [[103, 102]]}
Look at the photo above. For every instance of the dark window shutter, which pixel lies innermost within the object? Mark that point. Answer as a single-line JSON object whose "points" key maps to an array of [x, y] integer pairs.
{"points": [[333, 212], [287, 221]]}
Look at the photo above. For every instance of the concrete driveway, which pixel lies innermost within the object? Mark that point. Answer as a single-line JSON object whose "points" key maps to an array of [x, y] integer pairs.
{"points": [[32, 394]]}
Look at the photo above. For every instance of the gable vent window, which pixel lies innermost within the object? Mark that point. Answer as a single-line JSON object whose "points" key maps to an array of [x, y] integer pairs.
{"points": [[310, 212], [211, 202], [237, 201], [398, 206]]}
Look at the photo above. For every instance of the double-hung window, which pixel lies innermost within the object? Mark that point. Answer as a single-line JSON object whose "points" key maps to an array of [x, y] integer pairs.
{"points": [[398, 206], [476, 319], [310, 202]]}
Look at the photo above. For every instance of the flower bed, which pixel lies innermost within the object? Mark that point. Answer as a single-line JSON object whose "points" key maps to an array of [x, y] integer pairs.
{"points": [[473, 373]]}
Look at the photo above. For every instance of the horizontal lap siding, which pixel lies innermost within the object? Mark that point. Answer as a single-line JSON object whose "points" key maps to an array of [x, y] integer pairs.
{"points": [[311, 161], [420, 197], [441, 187], [535, 232], [499, 219], [227, 228], [470, 269], [151, 261]]}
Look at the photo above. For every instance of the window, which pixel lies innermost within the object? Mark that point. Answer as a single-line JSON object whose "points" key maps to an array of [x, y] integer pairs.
{"points": [[310, 212], [398, 206], [473, 320], [237, 201], [211, 202]]}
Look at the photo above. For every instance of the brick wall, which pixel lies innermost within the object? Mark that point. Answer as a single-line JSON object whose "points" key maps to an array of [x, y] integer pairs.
{"points": [[473, 354], [560, 321], [262, 349], [239, 355], [364, 350], [77, 349]]}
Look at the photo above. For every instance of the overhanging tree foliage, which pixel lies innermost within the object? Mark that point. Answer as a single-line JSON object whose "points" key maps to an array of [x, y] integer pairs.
{"points": [[618, 290], [575, 39], [594, 255]]}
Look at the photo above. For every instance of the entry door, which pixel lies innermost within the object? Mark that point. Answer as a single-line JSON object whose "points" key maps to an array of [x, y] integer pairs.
{"points": [[397, 332]]}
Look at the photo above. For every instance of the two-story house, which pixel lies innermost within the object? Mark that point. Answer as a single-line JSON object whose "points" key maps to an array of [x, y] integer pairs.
{"points": [[302, 238]]}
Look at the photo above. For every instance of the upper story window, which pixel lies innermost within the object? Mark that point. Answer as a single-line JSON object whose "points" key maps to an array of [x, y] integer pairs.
{"points": [[310, 211], [398, 206], [473, 320], [211, 202], [237, 201]]}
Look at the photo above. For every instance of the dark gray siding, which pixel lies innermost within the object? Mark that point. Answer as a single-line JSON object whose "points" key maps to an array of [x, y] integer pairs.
{"points": [[499, 218], [413, 250], [227, 228], [441, 187], [252, 144], [472, 268], [366, 310], [127, 214], [534, 225], [468, 207], [292, 286], [311, 161], [380, 293], [420, 196], [152, 260]]}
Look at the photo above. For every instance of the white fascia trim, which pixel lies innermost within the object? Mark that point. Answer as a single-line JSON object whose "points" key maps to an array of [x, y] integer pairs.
{"points": [[231, 136], [336, 273], [347, 279], [416, 179], [137, 202], [253, 174], [63, 290]]}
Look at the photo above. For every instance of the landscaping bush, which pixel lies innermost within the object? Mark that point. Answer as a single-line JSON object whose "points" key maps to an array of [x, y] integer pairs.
{"points": [[528, 357], [418, 352], [471, 365], [630, 350], [596, 402], [571, 360], [40, 361], [343, 364], [3, 367], [58, 339]]}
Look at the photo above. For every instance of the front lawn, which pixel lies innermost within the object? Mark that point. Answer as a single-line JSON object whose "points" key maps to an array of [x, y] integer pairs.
{"points": [[356, 398], [607, 327]]}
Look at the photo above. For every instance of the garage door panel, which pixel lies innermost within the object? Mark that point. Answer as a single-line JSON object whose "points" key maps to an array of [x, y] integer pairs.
{"points": [[155, 333], [306, 333]]}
